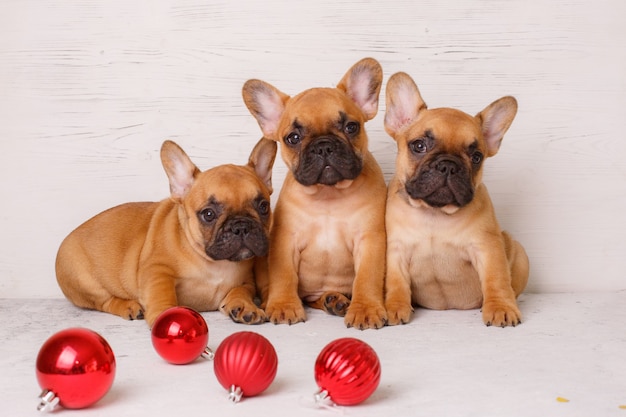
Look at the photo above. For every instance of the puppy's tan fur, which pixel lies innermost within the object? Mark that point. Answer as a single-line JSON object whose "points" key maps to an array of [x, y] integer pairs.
{"points": [[445, 247], [138, 259], [328, 239]]}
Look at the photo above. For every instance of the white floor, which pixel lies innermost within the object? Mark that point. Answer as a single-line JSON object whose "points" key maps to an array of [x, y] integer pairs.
{"points": [[570, 347]]}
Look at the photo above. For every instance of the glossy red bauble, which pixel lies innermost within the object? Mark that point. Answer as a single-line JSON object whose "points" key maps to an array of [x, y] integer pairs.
{"points": [[347, 372], [245, 364], [180, 335], [75, 368]]}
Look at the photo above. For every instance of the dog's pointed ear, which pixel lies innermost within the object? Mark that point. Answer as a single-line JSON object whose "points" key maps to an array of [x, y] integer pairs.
{"points": [[180, 171], [262, 160], [495, 120], [403, 102], [266, 103], [362, 84]]}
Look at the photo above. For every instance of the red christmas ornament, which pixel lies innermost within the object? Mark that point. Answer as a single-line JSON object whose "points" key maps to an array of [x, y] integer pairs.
{"points": [[347, 372], [75, 368], [245, 364], [180, 336]]}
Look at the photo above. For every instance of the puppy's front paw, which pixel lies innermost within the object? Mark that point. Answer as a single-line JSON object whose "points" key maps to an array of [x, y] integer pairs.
{"points": [[243, 312], [398, 313], [501, 313], [366, 316], [285, 312]]}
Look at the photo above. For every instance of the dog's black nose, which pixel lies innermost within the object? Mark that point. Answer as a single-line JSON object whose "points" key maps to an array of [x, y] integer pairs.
{"points": [[323, 147], [447, 167], [240, 227]]}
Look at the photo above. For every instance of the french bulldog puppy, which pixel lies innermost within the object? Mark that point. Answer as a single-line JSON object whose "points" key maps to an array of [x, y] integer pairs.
{"points": [[445, 249], [327, 244], [197, 248]]}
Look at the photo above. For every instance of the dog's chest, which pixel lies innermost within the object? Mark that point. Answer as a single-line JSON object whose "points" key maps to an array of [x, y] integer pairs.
{"points": [[325, 255], [442, 276], [433, 258], [438, 263]]}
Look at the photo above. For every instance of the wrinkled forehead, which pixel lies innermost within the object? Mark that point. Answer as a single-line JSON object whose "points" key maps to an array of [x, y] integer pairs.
{"points": [[234, 185], [318, 105], [450, 128]]}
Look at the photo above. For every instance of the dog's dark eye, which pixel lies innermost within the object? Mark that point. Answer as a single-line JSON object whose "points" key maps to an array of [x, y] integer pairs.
{"points": [[264, 207], [207, 215], [418, 146], [293, 138], [351, 128], [477, 157]]}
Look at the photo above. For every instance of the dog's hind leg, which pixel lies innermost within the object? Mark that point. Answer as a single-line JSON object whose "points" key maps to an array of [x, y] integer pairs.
{"points": [[127, 309], [332, 302], [86, 292], [96, 297], [518, 262]]}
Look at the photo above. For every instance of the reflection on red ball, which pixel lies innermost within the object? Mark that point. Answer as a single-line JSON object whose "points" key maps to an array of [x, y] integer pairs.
{"points": [[180, 335], [75, 367]]}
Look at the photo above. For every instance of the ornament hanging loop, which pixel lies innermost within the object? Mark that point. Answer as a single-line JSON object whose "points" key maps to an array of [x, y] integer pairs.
{"points": [[235, 394], [322, 400], [207, 353], [48, 401]]}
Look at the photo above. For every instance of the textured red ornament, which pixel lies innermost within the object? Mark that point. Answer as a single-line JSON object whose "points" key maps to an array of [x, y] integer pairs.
{"points": [[347, 372], [75, 368], [245, 364], [180, 335]]}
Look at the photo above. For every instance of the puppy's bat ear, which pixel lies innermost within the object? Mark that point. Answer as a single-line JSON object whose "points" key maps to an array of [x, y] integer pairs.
{"points": [[179, 169], [362, 84], [403, 101], [495, 120], [262, 160], [266, 103]]}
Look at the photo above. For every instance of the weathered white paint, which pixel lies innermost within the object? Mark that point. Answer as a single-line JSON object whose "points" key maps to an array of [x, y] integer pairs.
{"points": [[90, 88]]}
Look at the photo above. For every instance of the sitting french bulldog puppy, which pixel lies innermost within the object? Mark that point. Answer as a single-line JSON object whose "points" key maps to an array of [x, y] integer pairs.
{"points": [[197, 248], [445, 249], [327, 245]]}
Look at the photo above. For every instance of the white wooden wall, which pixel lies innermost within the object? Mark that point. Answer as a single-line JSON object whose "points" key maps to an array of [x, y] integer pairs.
{"points": [[89, 89]]}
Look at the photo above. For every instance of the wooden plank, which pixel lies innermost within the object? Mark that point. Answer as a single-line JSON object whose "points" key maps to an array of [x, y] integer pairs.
{"points": [[90, 89]]}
